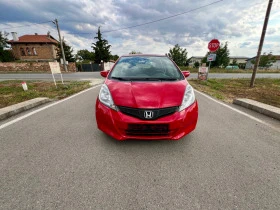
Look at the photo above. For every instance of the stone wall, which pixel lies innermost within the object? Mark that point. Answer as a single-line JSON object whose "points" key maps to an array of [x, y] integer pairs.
{"points": [[34, 51], [32, 67]]}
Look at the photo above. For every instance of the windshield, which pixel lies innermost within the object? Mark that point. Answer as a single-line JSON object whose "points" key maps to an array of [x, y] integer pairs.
{"points": [[145, 68]]}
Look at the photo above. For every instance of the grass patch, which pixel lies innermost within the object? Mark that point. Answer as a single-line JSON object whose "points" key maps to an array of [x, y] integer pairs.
{"points": [[266, 90], [11, 92], [219, 70]]}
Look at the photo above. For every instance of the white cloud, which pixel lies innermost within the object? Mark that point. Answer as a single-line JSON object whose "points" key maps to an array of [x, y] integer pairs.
{"points": [[238, 22]]}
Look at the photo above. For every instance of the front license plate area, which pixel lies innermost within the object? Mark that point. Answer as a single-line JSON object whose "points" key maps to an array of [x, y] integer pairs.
{"points": [[161, 129]]}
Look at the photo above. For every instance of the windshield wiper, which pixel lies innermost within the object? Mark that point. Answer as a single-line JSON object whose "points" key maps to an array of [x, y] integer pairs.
{"points": [[121, 78], [145, 79], [168, 79]]}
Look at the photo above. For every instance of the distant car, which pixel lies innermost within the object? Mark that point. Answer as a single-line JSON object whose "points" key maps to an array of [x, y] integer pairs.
{"points": [[232, 67], [146, 97]]}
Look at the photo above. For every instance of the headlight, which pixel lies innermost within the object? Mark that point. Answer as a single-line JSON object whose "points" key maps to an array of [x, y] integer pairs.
{"points": [[106, 98], [188, 99]]}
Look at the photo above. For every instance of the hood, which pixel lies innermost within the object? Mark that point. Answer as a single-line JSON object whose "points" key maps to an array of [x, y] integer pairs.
{"points": [[148, 95]]}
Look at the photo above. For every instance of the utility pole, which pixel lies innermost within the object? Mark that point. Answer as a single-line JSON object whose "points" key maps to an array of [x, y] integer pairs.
{"points": [[61, 46], [261, 43]]}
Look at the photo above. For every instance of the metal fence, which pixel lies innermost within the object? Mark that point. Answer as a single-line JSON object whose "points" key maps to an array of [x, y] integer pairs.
{"points": [[89, 67]]}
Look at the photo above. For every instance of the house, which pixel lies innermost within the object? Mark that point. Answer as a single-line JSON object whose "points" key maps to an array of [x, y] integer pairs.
{"points": [[239, 59], [275, 65], [34, 47], [195, 59]]}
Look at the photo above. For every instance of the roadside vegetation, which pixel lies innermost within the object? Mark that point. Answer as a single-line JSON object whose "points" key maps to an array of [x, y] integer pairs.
{"points": [[266, 90], [223, 60], [11, 92], [223, 70]]}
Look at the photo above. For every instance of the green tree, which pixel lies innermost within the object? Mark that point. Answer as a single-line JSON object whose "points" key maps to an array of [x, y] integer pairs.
{"points": [[6, 55], [196, 64], [68, 52], [234, 62], [3, 40], [114, 57], [188, 61], [101, 48], [84, 55], [178, 55], [266, 60], [222, 57]]}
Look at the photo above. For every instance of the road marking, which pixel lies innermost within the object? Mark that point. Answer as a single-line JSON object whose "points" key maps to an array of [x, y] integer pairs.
{"points": [[58, 102], [46, 107], [234, 109]]}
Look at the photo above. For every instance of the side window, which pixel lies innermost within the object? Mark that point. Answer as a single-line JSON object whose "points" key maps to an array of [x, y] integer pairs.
{"points": [[34, 51], [22, 52]]}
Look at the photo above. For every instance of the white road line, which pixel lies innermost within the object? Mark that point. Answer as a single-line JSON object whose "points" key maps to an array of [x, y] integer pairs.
{"points": [[53, 104], [46, 107], [236, 110]]}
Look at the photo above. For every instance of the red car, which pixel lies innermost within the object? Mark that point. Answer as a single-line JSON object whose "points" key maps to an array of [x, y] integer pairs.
{"points": [[146, 97]]}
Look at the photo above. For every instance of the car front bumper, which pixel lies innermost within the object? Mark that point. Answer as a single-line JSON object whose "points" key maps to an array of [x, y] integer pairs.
{"points": [[116, 124]]}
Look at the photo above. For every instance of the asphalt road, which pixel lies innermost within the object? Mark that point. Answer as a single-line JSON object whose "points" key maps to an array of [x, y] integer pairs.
{"points": [[57, 159], [93, 75]]}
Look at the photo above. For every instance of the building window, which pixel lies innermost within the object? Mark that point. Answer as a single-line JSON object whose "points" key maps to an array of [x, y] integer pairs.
{"points": [[28, 51], [34, 51], [22, 52]]}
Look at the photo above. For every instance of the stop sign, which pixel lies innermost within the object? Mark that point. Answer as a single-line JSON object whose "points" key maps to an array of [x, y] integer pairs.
{"points": [[213, 45]]}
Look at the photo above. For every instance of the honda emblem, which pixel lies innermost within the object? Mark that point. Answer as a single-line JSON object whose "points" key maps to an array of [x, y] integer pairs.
{"points": [[148, 114]]}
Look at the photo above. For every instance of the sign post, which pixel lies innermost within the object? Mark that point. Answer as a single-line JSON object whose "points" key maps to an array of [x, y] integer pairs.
{"points": [[203, 73], [55, 69], [213, 46], [211, 57]]}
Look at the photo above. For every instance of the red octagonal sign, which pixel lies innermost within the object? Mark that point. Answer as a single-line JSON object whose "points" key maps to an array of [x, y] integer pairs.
{"points": [[213, 45]]}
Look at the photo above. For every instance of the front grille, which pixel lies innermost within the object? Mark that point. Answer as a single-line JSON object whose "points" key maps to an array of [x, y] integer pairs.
{"points": [[147, 129], [148, 114]]}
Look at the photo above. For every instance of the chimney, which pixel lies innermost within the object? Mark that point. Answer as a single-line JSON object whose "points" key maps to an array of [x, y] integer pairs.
{"points": [[49, 34], [36, 33], [15, 37]]}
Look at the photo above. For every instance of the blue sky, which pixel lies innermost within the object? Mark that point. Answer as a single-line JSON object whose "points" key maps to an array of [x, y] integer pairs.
{"points": [[237, 22]]}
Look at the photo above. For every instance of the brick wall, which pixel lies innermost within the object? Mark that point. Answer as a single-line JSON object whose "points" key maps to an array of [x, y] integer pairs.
{"points": [[34, 51], [32, 67]]}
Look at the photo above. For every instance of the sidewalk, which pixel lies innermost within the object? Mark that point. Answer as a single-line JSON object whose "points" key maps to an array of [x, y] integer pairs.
{"points": [[262, 108], [21, 107]]}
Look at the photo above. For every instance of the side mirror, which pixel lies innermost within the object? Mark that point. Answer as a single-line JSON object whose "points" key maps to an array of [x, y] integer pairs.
{"points": [[186, 73], [104, 73]]}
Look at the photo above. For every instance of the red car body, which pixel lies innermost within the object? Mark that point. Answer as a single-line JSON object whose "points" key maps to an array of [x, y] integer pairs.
{"points": [[135, 98]]}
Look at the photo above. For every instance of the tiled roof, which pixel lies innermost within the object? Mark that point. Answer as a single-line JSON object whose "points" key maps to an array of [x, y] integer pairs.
{"points": [[35, 39]]}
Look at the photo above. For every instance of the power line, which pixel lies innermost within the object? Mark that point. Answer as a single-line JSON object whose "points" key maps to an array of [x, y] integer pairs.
{"points": [[154, 21], [49, 28], [27, 25], [162, 19]]}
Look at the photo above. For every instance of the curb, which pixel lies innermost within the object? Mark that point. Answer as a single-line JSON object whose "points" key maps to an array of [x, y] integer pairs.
{"points": [[20, 107], [96, 82], [262, 108]]}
